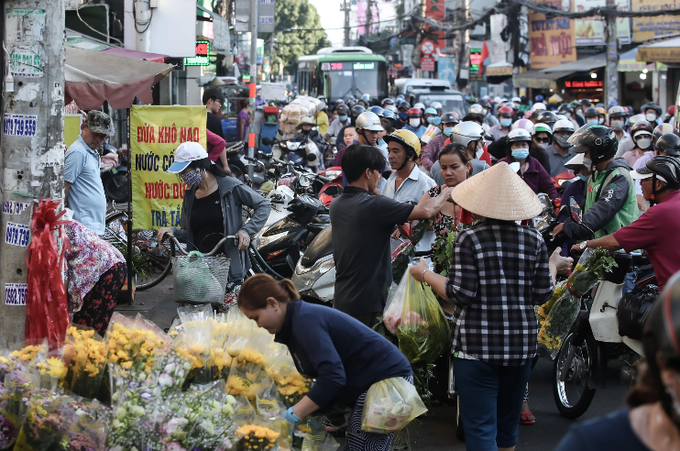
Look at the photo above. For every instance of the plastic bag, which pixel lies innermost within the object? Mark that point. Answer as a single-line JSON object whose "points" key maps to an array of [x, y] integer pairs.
{"points": [[391, 405], [633, 310], [200, 279], [85, 352], [418, 320]]}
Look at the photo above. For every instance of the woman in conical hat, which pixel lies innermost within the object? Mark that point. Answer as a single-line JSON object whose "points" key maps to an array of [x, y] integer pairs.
{"points": [[499, 271]]}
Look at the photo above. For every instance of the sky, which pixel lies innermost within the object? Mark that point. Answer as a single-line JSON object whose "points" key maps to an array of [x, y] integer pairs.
{"points": [[331, 17]]}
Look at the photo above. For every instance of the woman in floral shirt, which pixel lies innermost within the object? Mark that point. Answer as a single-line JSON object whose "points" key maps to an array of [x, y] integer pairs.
{"points": [[95, 274]]}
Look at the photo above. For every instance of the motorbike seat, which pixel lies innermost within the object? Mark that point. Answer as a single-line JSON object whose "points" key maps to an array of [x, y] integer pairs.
{"points": [[316, 228], [321, 219]]}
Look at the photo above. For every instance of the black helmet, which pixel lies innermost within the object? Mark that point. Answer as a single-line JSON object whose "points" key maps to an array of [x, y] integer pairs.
{"points": [[450, 118], [404, 104], [342, 109], [484, 103], [651, 106], [641, 126], [566, 109], [547, 117], [357, 110], [668, 144], [591, 112], [387, 101], [666, 167], [601, 141]]}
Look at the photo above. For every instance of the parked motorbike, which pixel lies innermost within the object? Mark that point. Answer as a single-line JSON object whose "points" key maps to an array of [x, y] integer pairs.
{"points": [[333, 188], [115, 184], [605, 328]]}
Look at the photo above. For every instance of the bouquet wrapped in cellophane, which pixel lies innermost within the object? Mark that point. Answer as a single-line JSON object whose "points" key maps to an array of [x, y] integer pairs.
{"points": [[556, 316], [194, 342], [85, 352]]}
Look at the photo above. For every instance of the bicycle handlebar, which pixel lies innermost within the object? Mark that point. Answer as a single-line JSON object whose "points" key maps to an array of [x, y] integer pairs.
{"points": [[217, 247]]}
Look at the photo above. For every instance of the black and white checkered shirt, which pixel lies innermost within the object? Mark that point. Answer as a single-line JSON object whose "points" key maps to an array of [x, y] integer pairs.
{"points": [[499, 271]]}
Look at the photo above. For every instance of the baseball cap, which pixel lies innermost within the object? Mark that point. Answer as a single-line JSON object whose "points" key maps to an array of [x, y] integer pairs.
{"points": [[644, 173], [98, 122], [186, 153]]}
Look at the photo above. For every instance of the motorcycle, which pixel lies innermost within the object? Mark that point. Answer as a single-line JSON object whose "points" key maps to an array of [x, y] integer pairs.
{"points": [[602, 330], [563, 180], [334, 187], [546, 222], [297, 152], [115, 183]]}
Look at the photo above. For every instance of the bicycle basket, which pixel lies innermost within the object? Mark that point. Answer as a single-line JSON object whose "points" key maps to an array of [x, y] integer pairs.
{"points": [[199, 279]]}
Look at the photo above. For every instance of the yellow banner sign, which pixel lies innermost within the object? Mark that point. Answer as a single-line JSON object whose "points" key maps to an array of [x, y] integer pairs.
{"points": [[552, 41], [645, 28], [155, 133]]}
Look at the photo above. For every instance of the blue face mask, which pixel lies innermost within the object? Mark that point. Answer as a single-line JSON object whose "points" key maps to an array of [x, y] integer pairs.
{"points": [[520, 154], [584, 177], [593, 122], [343, 118], [447, 131], [506, 122], [382, 144], [434, 121], [403, 117]]}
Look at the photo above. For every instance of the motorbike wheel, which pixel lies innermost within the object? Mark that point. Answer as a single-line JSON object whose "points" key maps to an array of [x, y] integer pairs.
{"points": [[573, 396], [116, 187], [460, 432]]}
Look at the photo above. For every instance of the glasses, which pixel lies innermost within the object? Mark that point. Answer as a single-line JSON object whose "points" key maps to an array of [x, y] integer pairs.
{"points": [[542, 140]]}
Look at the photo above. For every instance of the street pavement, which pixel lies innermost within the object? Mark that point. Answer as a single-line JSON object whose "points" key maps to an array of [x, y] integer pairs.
{"points": [[436, 430]]}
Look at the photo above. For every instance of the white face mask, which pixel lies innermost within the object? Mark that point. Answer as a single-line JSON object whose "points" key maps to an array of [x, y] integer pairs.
{"points": [[643, 143], [588, 163], [617, 125], [415, 123], [601, 120], [651, 117]]}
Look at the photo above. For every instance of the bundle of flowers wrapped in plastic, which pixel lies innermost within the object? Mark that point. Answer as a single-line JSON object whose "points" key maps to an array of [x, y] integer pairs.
{"points": [[413, 314], [256, 438], [556, 316], [85, 352], [292, 386], [194, 342]]}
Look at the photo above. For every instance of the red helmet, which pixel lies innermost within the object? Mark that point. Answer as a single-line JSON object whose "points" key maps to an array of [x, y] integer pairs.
{"points": [[506, 110], [671, 110], [415, 112]]}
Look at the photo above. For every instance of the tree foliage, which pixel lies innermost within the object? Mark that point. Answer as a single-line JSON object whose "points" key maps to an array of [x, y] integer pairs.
{"points": [[306, 40]]}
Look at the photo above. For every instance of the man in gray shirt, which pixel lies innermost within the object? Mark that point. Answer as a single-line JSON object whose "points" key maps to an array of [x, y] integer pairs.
{"points": [[559, 152], [83, 189]]}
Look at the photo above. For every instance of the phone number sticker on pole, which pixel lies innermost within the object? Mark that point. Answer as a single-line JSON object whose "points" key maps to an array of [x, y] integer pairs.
{"points": [[17, 234], [20, 124], [15, 293]]}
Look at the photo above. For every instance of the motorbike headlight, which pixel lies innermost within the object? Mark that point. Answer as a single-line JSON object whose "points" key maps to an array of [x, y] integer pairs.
{"points": [[263, 241], [333, 174], [293, 146], [305, 278]]}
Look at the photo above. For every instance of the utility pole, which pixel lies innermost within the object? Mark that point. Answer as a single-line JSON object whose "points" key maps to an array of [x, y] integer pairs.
{"points": [[462, 50], [417, 54], [348, 8], [254, 17], [32, 141], [611, 74], [369, 18]]}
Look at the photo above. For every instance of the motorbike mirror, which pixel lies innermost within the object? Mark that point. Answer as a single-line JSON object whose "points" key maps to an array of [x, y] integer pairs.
{"points": [[334, 140], [304, 180], [267, 141], [311, 157], [575, 210]]}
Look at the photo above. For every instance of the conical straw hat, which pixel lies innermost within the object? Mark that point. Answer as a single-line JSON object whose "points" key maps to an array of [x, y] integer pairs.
{"points": [[498, 193]]}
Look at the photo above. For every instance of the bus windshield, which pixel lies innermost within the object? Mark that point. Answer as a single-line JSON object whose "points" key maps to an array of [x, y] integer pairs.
{"points": [[355, 78], [450, 102]]}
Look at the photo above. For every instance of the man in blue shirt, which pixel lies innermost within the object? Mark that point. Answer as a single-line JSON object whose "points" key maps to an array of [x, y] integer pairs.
{"points": [[415, 122], [83, 189]]}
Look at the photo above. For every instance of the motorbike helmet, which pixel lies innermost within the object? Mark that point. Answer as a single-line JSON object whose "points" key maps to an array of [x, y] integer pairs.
{"points": [[465, 132], [366, 98], [420, 106], [547, 117], [357, 110], [387, 101], [476, 109], [437, 106], [669, 144], [408, 139], [404, 105], [524, 124], [369, 121], [617, 111], [432, 111], [599, 140], [591, 112], [566, 109], [506, 112], [450, 118], [543, 128], [664, 168], [660, 130], [564, 125], [305, 121], [641, 127], [377, 110], [342, 109], [389, 114], [415, 112], [519, 135], [651, 106], [392, 108], [539, 106], [634, 119]]}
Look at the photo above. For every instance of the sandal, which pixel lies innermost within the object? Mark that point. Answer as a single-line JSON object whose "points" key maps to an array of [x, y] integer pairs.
{"points": [[527, 419]]}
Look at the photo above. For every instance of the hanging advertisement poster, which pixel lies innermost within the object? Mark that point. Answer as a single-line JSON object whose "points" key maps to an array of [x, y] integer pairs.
{"points": [[552, 40], [590, 30], [645, 28], [155, 133]]}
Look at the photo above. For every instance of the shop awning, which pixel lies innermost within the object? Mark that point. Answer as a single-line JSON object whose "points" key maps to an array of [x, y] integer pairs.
{"points": [[144, 56], [539, 79], [497, 73], [582, 65], [666, 51], [94, 77]]}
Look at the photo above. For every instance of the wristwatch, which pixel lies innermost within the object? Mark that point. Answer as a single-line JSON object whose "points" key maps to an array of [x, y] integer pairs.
{"points": [[583, 245]]}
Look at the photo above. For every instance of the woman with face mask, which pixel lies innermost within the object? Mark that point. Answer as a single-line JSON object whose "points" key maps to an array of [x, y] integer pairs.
{"points": [[652, 112], [541, 139], [530, 169], [432, 118], [651, 421], [642, 139], [212, 209], [430, 153]]}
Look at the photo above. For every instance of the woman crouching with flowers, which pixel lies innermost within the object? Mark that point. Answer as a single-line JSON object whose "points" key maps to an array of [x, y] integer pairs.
{"points": [[344, 356]]}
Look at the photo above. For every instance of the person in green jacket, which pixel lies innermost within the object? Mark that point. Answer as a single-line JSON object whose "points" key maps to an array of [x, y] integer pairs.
{"points": [[610, 193]]}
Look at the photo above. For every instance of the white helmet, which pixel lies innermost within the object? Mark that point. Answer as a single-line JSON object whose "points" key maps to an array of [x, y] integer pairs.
{"points": [[369, 121], [519, 135], [564, 125], [476, 108], [539, 106], [465, 132], [517, 99], [419, 105], [524, 124]]}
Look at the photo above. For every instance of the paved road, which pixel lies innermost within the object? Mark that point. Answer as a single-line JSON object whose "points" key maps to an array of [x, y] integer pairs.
{"points": [[435, 432]]}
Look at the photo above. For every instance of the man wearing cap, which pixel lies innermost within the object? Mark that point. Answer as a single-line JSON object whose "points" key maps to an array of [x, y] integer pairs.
{"points": [[83, 189], [315, 143], [499, 271], [656, 231]]}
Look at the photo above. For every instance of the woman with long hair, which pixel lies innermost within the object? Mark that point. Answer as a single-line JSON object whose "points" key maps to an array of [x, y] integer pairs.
{"points": [[342, 354]]}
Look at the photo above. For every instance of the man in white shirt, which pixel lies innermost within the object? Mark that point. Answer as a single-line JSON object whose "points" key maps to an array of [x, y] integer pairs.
{"points": [[341, 122], [407, 183]]}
